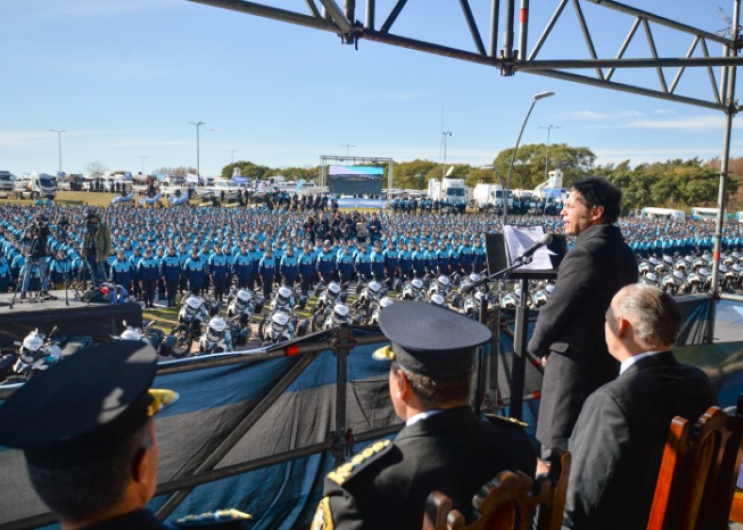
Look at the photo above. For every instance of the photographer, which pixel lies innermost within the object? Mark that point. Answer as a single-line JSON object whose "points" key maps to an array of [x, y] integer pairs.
{"points": [[35, 237], [96, 247]]}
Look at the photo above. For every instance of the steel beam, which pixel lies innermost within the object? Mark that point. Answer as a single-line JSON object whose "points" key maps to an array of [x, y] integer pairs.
{"points": [[621, 87], [661, 21], [660, 62], [473, 26], [623, 47], [587, 38], [396, 10], [548, 29], [494, 14], [282, 15], [731, 110], [338, 17]]}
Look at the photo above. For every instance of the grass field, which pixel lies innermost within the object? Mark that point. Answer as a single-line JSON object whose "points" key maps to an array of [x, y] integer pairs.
{"points": [[101, 200]]}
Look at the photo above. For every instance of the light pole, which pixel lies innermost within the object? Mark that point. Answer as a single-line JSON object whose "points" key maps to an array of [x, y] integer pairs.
{"points": [[232, 155], [537, 97], [198, 166], [444, 135], [547, 160], [142, 158], [59, 142], [348, 149]]}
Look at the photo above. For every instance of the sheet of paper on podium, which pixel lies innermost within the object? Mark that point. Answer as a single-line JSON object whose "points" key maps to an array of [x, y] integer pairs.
{"points": [[520, 238]]}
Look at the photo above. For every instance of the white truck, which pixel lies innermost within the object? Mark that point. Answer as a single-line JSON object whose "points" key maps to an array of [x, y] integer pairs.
{"points": [[451, 191], [34, 186], [488, 196]]}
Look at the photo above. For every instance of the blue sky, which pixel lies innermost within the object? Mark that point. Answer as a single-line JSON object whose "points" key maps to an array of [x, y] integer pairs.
{"points": [[124, 78]]}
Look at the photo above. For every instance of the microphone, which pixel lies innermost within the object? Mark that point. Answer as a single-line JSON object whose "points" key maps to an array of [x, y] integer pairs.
{"points": [[546, 239]]}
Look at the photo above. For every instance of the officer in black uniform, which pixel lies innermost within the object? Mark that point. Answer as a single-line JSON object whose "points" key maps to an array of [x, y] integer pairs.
{"points": [[443, 446], [87, 431]]}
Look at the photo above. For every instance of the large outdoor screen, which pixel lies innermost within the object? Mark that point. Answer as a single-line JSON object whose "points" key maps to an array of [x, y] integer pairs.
{"points": [[350, 180]]}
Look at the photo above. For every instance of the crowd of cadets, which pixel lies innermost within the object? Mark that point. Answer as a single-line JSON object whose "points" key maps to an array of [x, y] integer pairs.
{"points": [[165, 252]]}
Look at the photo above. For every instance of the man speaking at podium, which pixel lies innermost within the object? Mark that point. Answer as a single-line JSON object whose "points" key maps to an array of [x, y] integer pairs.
{"points": [[569, 334]]}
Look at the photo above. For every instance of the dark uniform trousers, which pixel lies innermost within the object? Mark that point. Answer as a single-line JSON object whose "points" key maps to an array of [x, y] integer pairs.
{"points": [[387, 484]]}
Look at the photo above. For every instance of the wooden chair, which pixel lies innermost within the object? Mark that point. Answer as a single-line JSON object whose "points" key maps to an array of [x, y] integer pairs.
{"points": [[698, 472], [508, 502]]}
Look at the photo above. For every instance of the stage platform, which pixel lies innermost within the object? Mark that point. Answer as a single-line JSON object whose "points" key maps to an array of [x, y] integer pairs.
{"points": [[79, 318]]}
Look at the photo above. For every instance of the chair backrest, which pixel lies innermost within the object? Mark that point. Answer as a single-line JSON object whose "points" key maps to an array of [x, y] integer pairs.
{"points": [[698, 472], [508, 502]]}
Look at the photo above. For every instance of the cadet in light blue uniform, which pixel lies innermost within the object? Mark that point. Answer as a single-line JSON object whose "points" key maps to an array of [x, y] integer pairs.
{"points": [[344, 263], [363, 263], [267, 271], [326, 263], [405, 256], [170, 273], [6, 276], [242, 267], [478, 256], [289, 267], [121, 271], [218, 266], [377, 261], [194, 268], [147, 270], [391, 260], [306, 262]]}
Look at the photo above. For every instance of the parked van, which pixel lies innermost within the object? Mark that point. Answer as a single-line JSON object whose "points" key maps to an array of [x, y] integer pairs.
{"points": [[7, 181], [36, 186], [664, 213]]}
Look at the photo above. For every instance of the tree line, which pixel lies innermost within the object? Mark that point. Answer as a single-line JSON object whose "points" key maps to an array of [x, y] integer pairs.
{"points": [[676, 183]]}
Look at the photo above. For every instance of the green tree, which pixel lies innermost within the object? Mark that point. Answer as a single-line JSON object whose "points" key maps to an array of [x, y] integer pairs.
{"points": [[414, 175], [247, 170], [529, 166]]}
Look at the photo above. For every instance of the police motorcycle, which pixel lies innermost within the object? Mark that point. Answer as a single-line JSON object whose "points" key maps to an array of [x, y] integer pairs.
{"points": [[329, 296], [288, 299], [370, 295], [193, 314], [443, 285], [243, 304], [376, 310], [414, 290], [216, 338], [331, 317], [281, 325], [147, 334], [36, 353], [671, 282]]}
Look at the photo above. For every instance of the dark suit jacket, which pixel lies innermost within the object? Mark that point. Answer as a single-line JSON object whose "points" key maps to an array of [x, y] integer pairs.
{"points": [[618, 442], [571, 328], [453, 452]]}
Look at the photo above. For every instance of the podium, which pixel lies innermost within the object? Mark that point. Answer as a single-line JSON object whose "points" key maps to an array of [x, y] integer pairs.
{"points": [[501, 265]]}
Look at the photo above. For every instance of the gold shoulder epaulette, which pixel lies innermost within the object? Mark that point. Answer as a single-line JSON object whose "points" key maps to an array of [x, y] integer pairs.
{"points": [[504, 420], [342, 474]]}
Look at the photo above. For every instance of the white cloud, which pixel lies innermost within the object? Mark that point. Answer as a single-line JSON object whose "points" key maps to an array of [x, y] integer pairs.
{"points": [[688, 123], [590, 115], [661, 112], [640, 156]]}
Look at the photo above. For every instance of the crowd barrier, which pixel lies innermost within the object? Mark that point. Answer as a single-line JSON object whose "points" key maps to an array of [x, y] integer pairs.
{"points": [[259, 430]]}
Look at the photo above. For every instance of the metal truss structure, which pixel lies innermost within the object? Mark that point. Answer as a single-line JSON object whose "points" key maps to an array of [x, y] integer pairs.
{"points": [[514, 56]]}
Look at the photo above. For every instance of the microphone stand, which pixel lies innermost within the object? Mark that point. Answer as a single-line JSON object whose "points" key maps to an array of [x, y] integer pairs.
{"points": [[520, 340]]}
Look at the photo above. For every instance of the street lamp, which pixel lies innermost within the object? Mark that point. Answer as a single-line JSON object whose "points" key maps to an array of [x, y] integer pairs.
{"points": [[547, 160], [59, 141], [348, 149], [537, 97], [197, 124], [142, 158], [444, 135], [232, 155]]}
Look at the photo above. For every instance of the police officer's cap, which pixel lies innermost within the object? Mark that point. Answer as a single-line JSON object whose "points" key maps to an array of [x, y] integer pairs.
{"points": [[429, 340], [76, 411]]}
